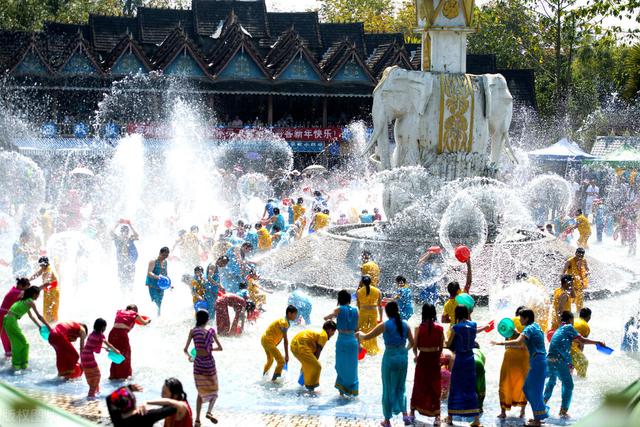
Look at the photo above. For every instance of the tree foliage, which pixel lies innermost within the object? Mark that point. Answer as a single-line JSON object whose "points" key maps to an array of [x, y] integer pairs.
{"points": [[30, 15], [378, 16], [632, 68]]}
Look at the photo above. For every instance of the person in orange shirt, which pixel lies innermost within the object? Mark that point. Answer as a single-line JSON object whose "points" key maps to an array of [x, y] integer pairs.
{"points": [[561, 300], [578, 268]]}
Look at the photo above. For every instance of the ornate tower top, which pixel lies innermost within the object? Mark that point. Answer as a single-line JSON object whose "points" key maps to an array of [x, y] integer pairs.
{"points": [[444, 25]]}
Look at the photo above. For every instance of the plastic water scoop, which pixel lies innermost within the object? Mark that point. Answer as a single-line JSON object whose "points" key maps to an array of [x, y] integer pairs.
{"points": [[44, 332], [139, 322], [116, 358], [466, 300], [506, 327], [604, 349], [164, 282]]}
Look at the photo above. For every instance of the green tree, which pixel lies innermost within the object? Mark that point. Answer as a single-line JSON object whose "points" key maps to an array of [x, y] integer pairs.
{"points": [[30, 15], [632, 68], [377, 15]]}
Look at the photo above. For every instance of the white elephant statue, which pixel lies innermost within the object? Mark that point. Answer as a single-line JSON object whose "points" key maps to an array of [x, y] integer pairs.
{"points": [[443, 122]]}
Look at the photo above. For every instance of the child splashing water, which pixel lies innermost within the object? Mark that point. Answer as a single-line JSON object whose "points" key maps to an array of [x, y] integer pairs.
{"points": [[95, 343], [204, 365]]}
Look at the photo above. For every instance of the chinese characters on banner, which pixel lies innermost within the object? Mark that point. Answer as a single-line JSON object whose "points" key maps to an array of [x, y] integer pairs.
{"points": [[328, 134]]}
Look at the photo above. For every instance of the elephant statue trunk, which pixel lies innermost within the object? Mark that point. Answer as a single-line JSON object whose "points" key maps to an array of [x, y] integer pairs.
{"points": [[380, 137]]}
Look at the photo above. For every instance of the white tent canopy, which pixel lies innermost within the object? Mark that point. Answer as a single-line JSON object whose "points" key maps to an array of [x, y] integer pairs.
{"points": [[561, 150]]}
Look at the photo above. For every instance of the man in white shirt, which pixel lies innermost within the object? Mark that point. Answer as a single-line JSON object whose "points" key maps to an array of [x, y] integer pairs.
{"points": [[593, 192]]}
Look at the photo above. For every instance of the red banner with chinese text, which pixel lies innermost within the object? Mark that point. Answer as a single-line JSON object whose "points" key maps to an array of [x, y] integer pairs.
{"points": [[312, 134]]}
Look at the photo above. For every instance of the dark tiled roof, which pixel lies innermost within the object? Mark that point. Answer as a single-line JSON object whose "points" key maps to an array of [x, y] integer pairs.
{"points": [[107, 31], [387, 55], [373, 40], [334, 33], [232, 39], [12, 45], [251, 14], [60, 37], [126, 42], [173, 44], [305, 23], [79, 43], [288, 46], [156, 24], [338, 55]]}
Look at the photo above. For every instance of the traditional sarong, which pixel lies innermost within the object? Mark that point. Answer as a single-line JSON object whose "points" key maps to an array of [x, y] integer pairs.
{"points": [[463, 397], [368, 316], [19, 344], [9, 299], [204, 366], [347, 364], [51, 302], [427, 387], [67, 356], [93, 380], [156, 295], [513, 372], [394, 376], [119, 338], [534, 386], [88, 361]]}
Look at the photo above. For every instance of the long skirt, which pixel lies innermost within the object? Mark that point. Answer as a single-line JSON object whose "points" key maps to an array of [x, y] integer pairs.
{"points": [[311, 367], [67, 356], [427, 388], [19, 344], [366, 322], [347, 364], [92, 376], [119, 338], [156, 295], [5, 338], [515, 366], [206, 377], [534, 386], [394, 377], [51, 302], [463, 396]]}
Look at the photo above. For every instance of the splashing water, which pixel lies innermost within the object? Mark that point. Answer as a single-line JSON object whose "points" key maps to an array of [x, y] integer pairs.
{"points": [[549, 196], [463, 223]]}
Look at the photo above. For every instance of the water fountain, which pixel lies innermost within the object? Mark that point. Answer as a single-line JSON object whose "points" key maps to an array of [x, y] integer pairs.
{"points": [[431, 194]]}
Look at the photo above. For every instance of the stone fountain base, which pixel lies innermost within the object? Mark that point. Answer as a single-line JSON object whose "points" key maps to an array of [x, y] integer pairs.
{"points": [[329, 261]]}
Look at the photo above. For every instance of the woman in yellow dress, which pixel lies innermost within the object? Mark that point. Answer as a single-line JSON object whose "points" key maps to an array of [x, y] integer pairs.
{"points": [[370, 306], [513, 372]]}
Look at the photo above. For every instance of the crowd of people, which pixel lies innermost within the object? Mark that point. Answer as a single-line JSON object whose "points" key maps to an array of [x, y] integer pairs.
{"points": [[449, 362]]}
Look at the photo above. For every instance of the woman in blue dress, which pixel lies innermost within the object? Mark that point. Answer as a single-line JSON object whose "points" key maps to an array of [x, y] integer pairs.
{"points": [[396, 333], [463, 396], [347, 345], [533, 387]]}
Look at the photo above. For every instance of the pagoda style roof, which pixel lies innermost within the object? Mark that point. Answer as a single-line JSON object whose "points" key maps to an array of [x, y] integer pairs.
{"points": [[235, 46], [126, 46], [387, 55], [306, 24], [333, 33], [107, 31], [288, 47], [342, 53]]}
